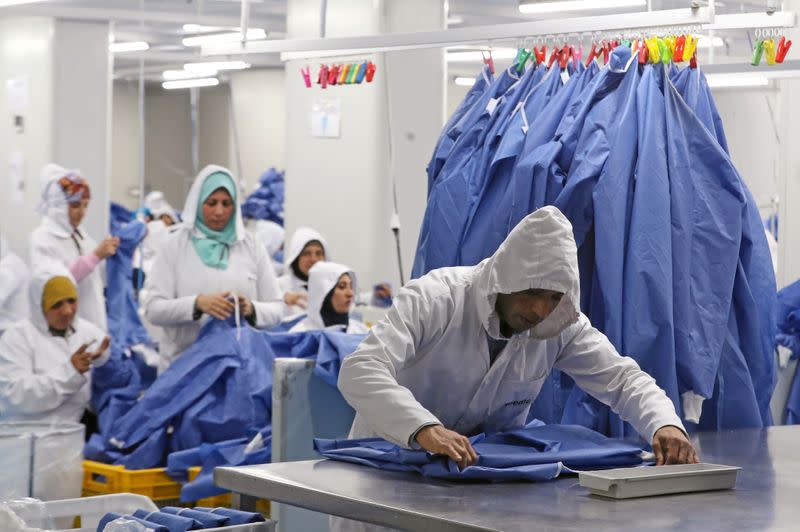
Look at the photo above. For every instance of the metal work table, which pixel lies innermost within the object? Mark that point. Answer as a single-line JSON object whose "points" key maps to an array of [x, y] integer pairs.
{"points": [[766, 496]]}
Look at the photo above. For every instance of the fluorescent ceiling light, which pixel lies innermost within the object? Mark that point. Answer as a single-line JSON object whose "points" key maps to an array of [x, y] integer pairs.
{"points": [[535, 8], [199, 28], [136, 46], [254, 34], [736, 80], [216, 65], [189, 83], [5, 3], [465, 82], [455, 20], [475, 55], [172, 75], [708, 42]]}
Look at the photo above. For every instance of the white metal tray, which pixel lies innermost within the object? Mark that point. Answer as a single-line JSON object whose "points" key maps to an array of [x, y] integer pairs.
{"points": [[626, 483]]}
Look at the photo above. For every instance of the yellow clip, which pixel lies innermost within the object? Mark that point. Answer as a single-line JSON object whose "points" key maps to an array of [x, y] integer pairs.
{"points": [[769, 50], [689, 47], [652, 49], [671, 41]]}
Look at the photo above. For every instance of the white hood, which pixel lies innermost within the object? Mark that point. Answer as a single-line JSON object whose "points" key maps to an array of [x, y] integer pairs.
{"points": [[299, 239], [53, 203], [540, 252], [158, 205], [190, 207], [322, 278], [41, 275], [270, 234]]}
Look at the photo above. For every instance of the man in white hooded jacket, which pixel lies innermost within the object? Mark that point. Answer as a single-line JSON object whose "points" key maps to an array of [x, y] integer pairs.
{"points": [[466, 349]]}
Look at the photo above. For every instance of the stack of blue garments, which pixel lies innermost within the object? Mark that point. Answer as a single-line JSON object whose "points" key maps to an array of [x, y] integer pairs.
{"points": [[266, 201], [172, 519], [536, 452], [788, 336], [675, 267], [214, 398]]}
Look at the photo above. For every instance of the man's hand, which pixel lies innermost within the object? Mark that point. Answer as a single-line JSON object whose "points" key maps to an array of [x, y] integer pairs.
{"points": [[439, 440], [671, 447], [215, 305], [294, 298]]}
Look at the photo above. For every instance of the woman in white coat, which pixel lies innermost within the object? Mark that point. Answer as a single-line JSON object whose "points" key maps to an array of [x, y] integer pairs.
{"points": [[60, 237], [306, 248], [14, 279], [331, 294], [207, 265], [45, 360]]}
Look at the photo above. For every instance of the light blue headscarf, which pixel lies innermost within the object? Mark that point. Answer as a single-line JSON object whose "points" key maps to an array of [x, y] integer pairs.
{"points": [[213, 246]]}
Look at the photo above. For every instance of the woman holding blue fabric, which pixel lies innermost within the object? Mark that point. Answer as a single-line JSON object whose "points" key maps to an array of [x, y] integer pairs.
{"points": [[209, 265]]}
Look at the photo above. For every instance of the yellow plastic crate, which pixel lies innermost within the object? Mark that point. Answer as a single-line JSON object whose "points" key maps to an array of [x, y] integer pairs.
{"points": [[100, 479]]}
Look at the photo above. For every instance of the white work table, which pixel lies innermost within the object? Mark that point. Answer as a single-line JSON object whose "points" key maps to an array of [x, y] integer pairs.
{"points": [[767, 495]]}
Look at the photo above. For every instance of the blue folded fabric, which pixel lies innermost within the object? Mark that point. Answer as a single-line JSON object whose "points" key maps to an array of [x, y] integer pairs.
{"points": [[111, 516], [235, 517], [533, 453], [207, 520], [175, 523]]}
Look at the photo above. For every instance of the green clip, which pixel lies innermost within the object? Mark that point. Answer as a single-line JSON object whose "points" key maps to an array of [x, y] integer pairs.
{"points": [[663, 51], [522, 58], [758, 51]]}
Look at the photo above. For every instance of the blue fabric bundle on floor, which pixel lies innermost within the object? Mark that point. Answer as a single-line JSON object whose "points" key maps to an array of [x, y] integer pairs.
{"points": [[534, 453]]}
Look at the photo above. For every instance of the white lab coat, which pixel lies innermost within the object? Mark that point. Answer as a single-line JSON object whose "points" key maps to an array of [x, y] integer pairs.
{"points": [[322, 278], [428, 361], [271, 235], [37, 380], [52, 241], [179, 276], [14, 279]]}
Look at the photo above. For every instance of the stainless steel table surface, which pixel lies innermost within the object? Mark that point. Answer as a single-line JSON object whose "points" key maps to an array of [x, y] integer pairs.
{"points": [[767, 494]]}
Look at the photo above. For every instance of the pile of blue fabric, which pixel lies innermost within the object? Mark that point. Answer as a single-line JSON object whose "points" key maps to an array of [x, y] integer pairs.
{"points": [[213, 400], [675, 267], [534, 453], [172, 519], [788, 336], [266, 201]]}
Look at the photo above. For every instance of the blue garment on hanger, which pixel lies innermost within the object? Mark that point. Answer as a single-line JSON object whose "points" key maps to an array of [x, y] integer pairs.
{"points": [[534, 453], [788, 318], [450, 132], [219, 389], [118, 216]]}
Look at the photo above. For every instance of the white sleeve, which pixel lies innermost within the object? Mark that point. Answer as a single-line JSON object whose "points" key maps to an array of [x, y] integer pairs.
{"points": [[26, 391], [41, 251], [368, 379], [617, 381], [270, 308], [162, 306]]}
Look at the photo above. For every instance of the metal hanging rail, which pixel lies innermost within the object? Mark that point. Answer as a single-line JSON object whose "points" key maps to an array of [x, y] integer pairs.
{"points": [[338, 46]]}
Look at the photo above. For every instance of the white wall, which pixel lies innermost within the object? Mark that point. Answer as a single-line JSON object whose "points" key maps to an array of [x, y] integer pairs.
{"points": [[168, 134], [125, 144], [343, 186], [455, 94], [214, 127], [259, 102], [25, 52]]}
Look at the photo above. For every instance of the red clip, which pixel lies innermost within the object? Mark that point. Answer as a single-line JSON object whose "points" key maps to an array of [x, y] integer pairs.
{"points": [[606, 52], [693, 60], [644, 55], [488, 61], [783, 49], [540, 55], [370, 71], [306, 73], [592, 55], [564, 57], [333, 74], [322, 79], [553, 57]]}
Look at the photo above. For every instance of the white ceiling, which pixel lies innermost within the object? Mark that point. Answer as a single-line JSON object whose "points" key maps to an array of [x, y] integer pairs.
{"points": [[159, 22]]}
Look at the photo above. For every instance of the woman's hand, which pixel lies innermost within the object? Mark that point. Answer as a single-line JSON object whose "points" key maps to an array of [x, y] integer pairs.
{"points": [[216, 305], [246, 307], [295, 299], [107, 247]]}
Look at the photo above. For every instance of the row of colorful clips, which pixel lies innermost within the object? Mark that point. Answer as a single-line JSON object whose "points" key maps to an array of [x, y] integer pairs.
{"points": [[345, 74]]}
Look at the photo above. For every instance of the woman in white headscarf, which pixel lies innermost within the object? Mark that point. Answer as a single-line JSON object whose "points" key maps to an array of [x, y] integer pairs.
{"points": [[331, 295], [306, 248], [209, 265], [60, 237]]}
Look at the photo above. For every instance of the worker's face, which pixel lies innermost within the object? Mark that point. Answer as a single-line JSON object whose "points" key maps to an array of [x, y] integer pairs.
{"points": [[77, 210], [342, 296], [218, 209], [167, 219], [311, 254], [61, 315], [524, 310]]}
